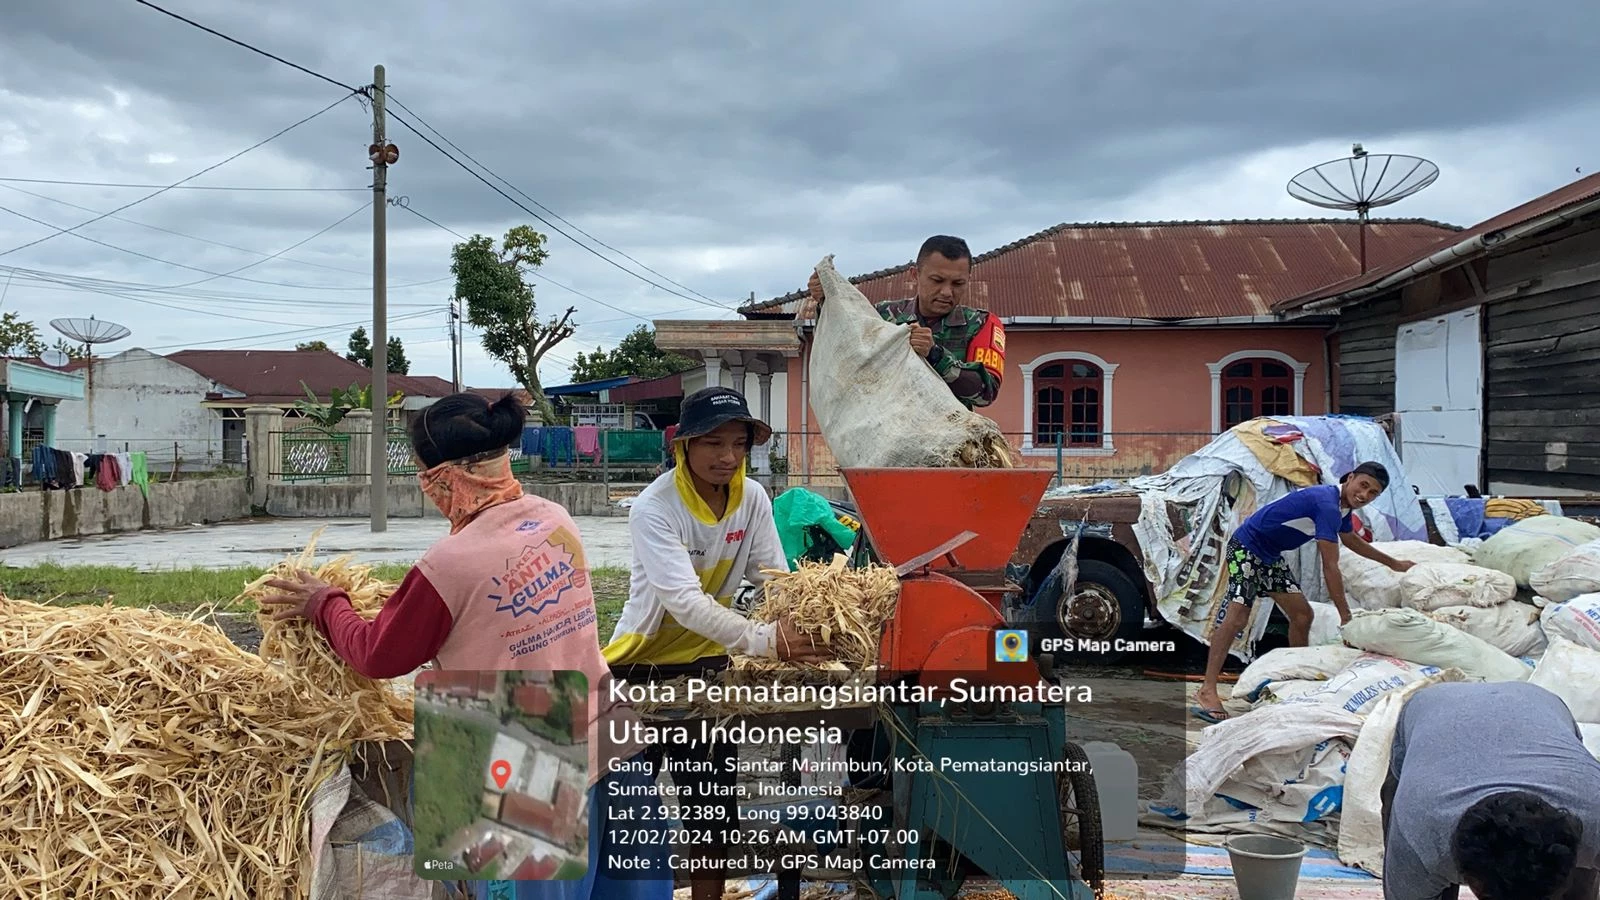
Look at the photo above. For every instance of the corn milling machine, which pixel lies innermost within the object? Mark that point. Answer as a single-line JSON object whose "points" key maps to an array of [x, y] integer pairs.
{"points": [[949, 534]]}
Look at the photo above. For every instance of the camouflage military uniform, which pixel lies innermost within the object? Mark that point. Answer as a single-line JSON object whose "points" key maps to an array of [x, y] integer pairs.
{"points": [[969, 348]]}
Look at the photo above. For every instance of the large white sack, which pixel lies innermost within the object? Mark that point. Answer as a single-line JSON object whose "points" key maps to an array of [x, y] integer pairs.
{"points": [[1572, 575], [878, 403], [1525, 547], [1373, 585], [1591, 738], [1293, 786], [1572, 673], [1227, 746], [1325, 625], [1576, 620], [1361, 809], [1292, 664], [1431, 586], [1358, 687], [1412, 636], [1512, 627]]}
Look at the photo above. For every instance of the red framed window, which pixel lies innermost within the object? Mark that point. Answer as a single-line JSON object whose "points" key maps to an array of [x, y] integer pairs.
{"points": [[1068, 408], [1252, 388]]}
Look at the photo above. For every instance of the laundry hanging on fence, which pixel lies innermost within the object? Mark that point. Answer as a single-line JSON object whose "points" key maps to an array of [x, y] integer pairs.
{"points": [[141, 472], [557, 445], [587, 439], [532, 440], [124, 468]]}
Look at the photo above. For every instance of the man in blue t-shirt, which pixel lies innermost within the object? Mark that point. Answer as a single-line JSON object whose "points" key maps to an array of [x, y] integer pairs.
{"points": [[1255, 564]]}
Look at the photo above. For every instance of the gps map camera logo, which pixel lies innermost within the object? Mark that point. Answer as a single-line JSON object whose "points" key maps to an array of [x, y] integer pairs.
{"points": [[1010, 645]]}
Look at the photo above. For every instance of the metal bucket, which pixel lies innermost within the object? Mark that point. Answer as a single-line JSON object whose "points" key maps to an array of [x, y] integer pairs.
{"points": [[1265, 867]]}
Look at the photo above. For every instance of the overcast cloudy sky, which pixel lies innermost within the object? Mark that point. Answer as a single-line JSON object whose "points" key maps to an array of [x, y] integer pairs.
{"points": [[725, 145]]}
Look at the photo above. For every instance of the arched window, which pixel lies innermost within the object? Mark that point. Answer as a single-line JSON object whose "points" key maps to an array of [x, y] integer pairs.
{"points": [[1067, 404], [1256, 387]]}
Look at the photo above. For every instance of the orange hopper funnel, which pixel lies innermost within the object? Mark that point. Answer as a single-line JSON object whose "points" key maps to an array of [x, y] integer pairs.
{"points": [[908, 512]]}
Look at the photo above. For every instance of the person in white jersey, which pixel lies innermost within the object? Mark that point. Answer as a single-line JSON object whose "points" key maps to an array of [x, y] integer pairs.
{"points": [[698, 531]]}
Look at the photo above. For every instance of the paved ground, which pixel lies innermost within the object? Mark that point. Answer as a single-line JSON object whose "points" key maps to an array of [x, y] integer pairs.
{"points": [[263, 542]]}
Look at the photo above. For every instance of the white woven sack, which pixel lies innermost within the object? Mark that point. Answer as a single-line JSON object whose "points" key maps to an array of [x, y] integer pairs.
{"points": [[878, 403], [1512, 627], [1412, 636], [1571, 672], [1577, 620], [1573, 575], [1432, 586]]}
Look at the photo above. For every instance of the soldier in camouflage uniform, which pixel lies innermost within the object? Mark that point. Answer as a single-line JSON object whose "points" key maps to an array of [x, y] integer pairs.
{"points": [[966, 346]]}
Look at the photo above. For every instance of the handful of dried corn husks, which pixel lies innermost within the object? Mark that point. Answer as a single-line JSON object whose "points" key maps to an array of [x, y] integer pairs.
{"points": [[841, 608], [298, 645], [144, 755]]}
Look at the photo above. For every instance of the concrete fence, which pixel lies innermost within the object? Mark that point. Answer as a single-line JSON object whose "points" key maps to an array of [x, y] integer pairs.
{"points": [[334, 501], [48, 515]]}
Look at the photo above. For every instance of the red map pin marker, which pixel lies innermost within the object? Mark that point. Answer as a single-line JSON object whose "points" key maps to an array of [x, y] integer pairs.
{"points": [[501, 772]]}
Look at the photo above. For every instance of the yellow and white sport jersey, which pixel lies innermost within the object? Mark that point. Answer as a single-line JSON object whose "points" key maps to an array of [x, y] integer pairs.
{"points": [[687, 565]]}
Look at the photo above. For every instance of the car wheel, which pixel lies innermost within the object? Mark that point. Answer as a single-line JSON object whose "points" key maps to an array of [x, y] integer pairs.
{"points": [[1105, 606]]}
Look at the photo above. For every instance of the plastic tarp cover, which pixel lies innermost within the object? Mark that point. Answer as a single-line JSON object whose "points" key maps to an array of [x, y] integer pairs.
{"points": [[1187, 574]]}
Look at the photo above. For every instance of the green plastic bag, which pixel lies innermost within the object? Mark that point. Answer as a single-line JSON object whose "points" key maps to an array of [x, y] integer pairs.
{"points": [[809, 527]]}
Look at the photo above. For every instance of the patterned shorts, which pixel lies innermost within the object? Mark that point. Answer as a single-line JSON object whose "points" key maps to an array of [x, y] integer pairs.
{"points": [[1249, 577]]}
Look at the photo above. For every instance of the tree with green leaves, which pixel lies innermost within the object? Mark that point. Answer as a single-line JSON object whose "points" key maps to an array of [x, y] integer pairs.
{"points": [[636, 355], [20, 337], [500, 304], [360, 352], [313, 345], [360, 347], [397, 357]]}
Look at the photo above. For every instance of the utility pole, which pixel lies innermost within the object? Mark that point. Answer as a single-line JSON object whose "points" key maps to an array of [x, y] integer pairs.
{"points": [[455, 361], [383, 154]]}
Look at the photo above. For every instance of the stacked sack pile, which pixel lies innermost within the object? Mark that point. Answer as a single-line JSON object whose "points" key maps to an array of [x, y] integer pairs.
{"points": [[1307, 745]]}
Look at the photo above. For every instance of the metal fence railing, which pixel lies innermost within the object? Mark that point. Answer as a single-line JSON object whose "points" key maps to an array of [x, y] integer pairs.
{"points": [[311, 454]]}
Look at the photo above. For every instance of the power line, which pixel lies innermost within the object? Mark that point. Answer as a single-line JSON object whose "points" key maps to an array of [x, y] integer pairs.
{"points": [[65, 282], [185, 187], [390, 98], [413, 129], [405, 205], [181, 234], [250, 47], [553, 227], [163, 190], [310, 331], [311, 287]]}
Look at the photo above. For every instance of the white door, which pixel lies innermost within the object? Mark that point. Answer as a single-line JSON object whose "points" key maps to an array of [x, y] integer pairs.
{"points": [[1438, 392]]}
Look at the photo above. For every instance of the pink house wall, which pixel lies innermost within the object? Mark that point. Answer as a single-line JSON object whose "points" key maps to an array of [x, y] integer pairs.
{"points": [[1161, 393]]}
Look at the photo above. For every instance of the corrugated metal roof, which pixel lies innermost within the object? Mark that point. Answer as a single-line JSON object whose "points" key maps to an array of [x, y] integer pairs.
{"points": [[276, 376], [1583, 189], [1160, 270]]}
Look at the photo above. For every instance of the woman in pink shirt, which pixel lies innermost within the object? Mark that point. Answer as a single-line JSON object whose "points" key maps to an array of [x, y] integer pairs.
{"points": [[507, 589]]}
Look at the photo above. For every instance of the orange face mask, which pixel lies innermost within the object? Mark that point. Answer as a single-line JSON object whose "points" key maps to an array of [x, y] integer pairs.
{"points": [[462, 489]]}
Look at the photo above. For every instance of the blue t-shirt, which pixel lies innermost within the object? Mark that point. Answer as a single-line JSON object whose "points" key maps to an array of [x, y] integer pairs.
{"points": [[1309, 514]]}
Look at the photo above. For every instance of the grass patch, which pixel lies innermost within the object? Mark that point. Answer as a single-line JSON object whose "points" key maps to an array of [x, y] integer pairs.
{"points": [[189, 589], [451, 755]]}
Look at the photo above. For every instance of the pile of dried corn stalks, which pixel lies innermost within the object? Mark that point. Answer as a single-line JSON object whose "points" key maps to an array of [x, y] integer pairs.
{"points": [[145, 755]]}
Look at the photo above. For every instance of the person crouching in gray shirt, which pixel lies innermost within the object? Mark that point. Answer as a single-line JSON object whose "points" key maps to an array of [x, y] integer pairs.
{"points": [[1490, 786]]}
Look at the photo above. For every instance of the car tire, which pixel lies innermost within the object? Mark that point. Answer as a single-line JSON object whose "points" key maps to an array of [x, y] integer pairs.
{"points": [[1106, 606]]}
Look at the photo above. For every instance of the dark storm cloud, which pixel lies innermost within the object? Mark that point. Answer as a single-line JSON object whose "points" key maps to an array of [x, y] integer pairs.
{"points": [[729, 145]]}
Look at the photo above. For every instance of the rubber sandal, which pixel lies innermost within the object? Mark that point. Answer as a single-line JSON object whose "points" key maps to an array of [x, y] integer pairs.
{"points": [[1210, 716]]}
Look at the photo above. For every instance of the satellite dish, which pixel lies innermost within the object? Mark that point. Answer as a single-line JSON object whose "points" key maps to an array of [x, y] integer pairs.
{"points": [[90, 330], [55, 359], [1361, 182]]}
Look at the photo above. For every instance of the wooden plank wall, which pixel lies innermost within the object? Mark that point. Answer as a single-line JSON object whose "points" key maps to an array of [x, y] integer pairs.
{"points": [[1366, 356], [1542, 367]]}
